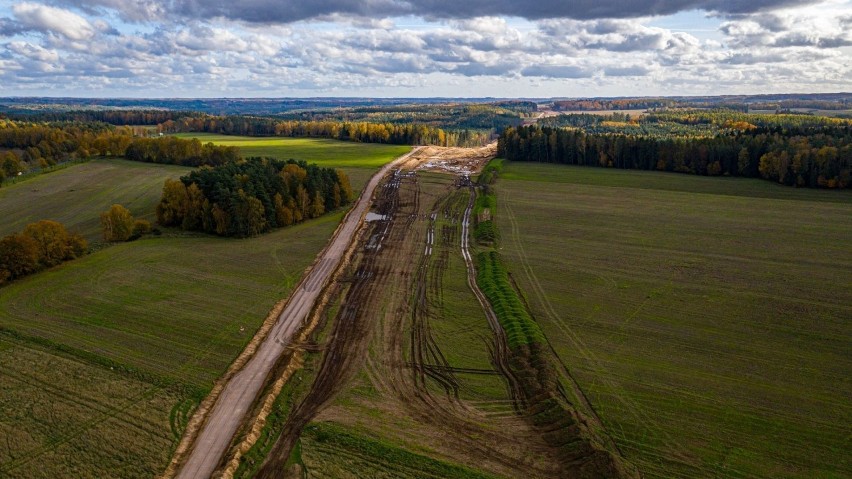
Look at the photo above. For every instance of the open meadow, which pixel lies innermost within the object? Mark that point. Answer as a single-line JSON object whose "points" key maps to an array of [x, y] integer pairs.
{"points": [[706, 319], [75, 196], [358, 160]]}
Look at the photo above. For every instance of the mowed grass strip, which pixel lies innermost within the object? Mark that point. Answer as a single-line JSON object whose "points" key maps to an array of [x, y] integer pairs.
{"points": [[75, 196], [358, 160], [176, 307], [707, 319]]}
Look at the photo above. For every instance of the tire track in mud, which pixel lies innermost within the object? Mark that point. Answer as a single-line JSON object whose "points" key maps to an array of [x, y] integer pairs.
{"points": [[463, 424], [384, 274], [426, 358], [500, 346], [352, 327]]}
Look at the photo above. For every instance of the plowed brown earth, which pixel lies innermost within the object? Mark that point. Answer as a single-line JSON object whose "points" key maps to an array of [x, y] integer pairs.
{"points": [[454, 160]]}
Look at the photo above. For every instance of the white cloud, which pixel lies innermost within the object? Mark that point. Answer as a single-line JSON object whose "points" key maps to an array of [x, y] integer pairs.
{"points": [[34, 52], [799, 49], [47, 19]]}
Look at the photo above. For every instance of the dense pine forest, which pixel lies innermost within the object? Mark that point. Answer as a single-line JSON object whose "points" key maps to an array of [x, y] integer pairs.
{"points": [[250, 197]]}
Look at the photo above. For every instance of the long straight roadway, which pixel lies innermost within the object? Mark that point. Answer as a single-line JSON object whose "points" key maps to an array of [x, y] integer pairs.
{"points": [[239, 393]]}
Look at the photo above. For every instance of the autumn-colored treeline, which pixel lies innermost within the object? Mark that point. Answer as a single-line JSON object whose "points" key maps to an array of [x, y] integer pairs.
{"points": [[397, 134], [26, 146], [813, 160], [178, 151], [31, 146], [41, 245], [785, 123], [805, 104], [252, 196]]}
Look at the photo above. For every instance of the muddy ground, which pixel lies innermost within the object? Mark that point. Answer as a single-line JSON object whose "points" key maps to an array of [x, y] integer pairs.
{"points": [[415, 358]]}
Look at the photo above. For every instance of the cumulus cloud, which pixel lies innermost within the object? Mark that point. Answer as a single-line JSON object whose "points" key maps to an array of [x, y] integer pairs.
{"points": [[788, 29], [286, 11], [202, 45], [45, 19]]}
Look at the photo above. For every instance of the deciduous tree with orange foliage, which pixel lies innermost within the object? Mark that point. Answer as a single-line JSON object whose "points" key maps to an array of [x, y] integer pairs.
{"points": [[41, 245]]}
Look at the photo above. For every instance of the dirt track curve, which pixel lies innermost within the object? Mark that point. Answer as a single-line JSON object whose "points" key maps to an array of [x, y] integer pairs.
{"points": [[240, 392]]}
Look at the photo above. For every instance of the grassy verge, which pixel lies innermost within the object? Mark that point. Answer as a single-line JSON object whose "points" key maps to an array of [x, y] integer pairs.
{"points": [[493, 278]]}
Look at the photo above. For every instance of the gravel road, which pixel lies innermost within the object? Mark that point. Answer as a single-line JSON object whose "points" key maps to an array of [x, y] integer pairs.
{"points": [[240, 392]]}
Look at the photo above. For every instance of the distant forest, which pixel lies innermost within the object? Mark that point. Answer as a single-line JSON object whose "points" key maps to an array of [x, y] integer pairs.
{"points": [[28, 147], [793, 150], [398, 134]]}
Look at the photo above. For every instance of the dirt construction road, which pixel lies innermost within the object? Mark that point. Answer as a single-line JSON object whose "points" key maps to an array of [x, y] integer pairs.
{"points": [[240, 392]]}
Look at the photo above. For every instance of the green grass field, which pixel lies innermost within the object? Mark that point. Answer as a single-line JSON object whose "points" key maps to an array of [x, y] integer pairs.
{"points": [[63, 417], [75, 196], [359, 160], [170, 306], [103, 358], [707, 319]]}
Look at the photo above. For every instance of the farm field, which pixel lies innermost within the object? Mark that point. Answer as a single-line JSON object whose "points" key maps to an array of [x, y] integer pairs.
{"points": [[119, 346], [358, 160], [176, 307], [706, 319], [75, 196], [158, 309], [63, 417]]}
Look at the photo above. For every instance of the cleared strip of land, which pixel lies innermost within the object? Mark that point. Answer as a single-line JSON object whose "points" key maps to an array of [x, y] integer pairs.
{"points": [[240, 392]]}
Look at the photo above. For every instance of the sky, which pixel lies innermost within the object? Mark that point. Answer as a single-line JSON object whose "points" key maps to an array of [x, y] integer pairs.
{"points": [[423, 48]]}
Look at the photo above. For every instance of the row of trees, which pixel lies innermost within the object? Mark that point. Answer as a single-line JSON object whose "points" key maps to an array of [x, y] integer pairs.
{"points": [[366, 132], [123, 117], [178, 151], [41, 245], [817, 160], [252, 196], [448, 116], [29, 146], [598, 104]]}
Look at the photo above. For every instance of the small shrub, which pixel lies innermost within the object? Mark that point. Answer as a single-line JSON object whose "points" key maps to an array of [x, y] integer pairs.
{"points": [[141, 227]]}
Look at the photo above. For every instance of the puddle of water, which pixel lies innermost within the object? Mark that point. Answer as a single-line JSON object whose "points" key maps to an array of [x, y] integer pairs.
{"points": [[375, 217]]}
